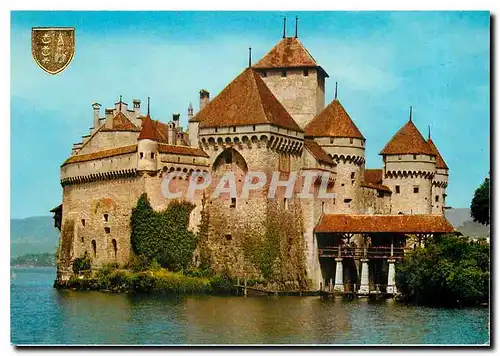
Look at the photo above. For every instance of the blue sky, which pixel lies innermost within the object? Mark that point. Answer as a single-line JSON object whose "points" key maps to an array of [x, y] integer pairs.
{"points": [[384, 61]]}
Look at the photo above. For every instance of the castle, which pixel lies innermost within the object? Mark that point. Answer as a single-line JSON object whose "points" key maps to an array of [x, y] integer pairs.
{"points": [[271, 117]]}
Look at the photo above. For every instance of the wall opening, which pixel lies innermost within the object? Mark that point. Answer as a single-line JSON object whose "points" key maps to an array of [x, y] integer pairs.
{"points": [[94, 248], [115, 247]]}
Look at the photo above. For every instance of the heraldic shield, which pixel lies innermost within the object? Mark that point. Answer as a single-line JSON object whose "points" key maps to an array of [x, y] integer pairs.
{"points": [[53, 47]]}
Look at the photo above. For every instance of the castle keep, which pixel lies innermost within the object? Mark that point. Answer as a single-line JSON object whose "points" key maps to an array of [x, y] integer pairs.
{"points": [[270, 118]]}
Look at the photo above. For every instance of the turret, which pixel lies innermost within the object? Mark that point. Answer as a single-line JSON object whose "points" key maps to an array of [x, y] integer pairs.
{"points": [[440, 181], [147, 146], [193, 128], [290, 65], [409, 168], [335, 132]]}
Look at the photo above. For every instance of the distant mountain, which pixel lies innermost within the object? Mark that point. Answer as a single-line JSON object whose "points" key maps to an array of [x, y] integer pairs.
{"points": [[33, 235], [462, 221], [45, 259]]}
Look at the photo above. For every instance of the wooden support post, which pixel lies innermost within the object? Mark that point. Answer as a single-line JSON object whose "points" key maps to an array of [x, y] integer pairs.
{"points": [[245, 289]]}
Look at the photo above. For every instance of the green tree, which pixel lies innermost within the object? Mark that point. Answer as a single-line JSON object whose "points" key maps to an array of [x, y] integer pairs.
{"points": [[163, 236], [446, 270], [480, 205]]}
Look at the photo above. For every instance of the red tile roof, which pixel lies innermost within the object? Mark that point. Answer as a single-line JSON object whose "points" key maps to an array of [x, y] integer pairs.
{"points": [[148, 130], [318, 152], [161, 131], [181, 150], [373, 179], [289, 52], [333, 121], [245, 101], [383, 223], [408, 140], [101, 154], [440, 163]]}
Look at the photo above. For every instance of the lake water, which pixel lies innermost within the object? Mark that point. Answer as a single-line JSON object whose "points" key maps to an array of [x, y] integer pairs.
{"points": [[41, 314]]}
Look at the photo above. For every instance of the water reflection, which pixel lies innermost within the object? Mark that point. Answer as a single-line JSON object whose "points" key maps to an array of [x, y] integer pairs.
{"points": [[41, 314]]}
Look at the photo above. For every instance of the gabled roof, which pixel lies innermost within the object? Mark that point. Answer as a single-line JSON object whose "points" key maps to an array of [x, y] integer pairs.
{"points": [[440, 163], [317, 152], [408, 140], [406, 224], [289, 52], [373, 179], [148, 130], [333, 121], [122, 123], [245, 101], [162, 131]]}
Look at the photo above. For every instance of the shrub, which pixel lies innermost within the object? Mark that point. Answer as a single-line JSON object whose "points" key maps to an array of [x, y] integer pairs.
{"points": [[81, 263]]}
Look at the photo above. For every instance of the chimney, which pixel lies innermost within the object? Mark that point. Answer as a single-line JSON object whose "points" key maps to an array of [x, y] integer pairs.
{"points": [[96, 107], [176, 118], [204, 98], [172, 133], [109, 118], [137, 107], [190, 112]]}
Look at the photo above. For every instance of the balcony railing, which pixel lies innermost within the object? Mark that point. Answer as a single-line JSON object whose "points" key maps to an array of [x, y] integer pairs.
{"points": [[362, 252]]}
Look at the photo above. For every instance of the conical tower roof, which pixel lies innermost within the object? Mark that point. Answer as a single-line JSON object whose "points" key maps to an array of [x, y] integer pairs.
{"points": [[408, 140], [246, 101], [288, 53], [440, 163], [148, 130], [333, 121]]}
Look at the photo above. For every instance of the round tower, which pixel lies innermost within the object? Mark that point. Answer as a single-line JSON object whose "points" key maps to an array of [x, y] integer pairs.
{"points": [[147, 146], [337, 134], [409, 170], [440, 181]]}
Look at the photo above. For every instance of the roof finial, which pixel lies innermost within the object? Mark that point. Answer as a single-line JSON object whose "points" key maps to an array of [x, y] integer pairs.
{"points": [[336, 88], [148, 105], [429, 133], [284, 27], [411, 112], [120, 103], [249, 57], [296, 26]]}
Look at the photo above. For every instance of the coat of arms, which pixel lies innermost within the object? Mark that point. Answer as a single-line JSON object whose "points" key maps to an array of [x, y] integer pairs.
{"points": [[53, 47]]}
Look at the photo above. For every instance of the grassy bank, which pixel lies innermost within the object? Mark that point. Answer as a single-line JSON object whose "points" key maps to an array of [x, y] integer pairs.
{"points": [[150, 281]]}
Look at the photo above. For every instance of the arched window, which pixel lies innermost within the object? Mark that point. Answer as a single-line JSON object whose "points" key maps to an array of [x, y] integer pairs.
{"points": [[94, 247]]}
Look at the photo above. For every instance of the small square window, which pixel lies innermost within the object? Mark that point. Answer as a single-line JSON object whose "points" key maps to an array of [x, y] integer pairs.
{"points": [[83, 222], [415, 189], [141, 155], [306, 73], [283, 74], [106, 217], [398, 189], [229, 237], [107, 230], [264, 74], [233, 203], [152, 155]]}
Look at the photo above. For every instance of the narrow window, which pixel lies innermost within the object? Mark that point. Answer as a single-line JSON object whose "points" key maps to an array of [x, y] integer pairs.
{"points": [[306, 73], [351, 140], [414, 156], [415, 189], [106, 217], [399, 157], [332, 140], [437, 198], [283, 74], [83, 239], [285, 203], [141, 155], [234, 129], [83, 222], [254, 127], [94, 247], [178, 160], [397, 189], [115, 247], [107, 230], [233, 203], [352, 175], [264, 74], [193, 160], [322, 206], [216, 129], [152, 155]]}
